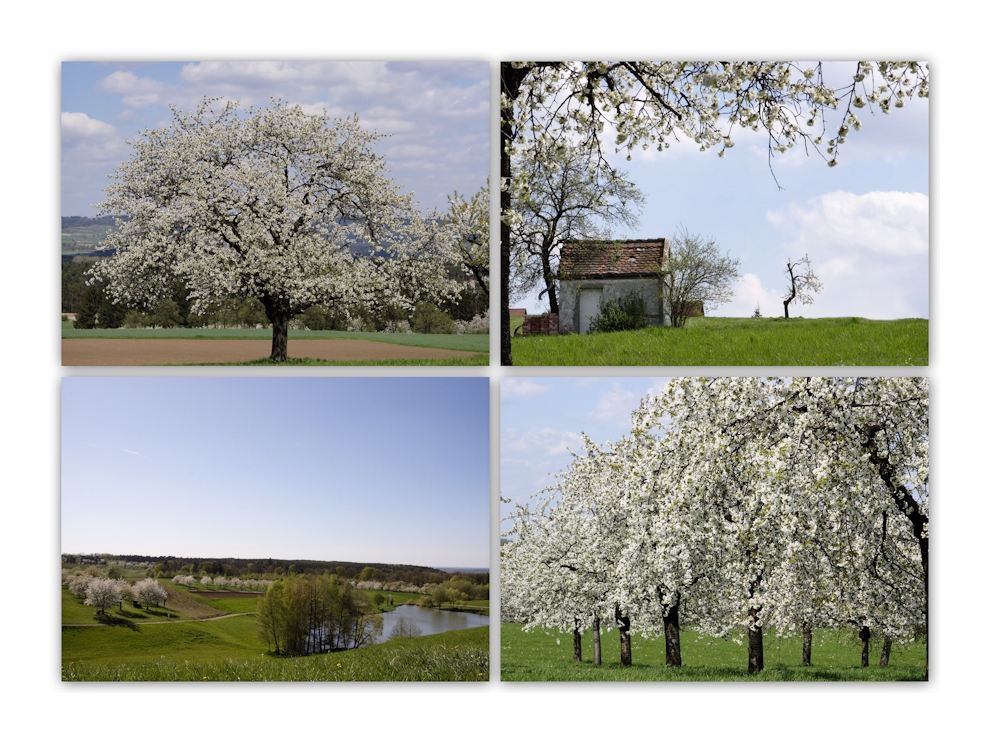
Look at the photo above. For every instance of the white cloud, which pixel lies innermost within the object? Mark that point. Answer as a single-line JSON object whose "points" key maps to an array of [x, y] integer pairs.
{"points": [[614, 406], [137, 92], [887, 222], [77, 126], [520, 388], [537, 443], [748, 294]]}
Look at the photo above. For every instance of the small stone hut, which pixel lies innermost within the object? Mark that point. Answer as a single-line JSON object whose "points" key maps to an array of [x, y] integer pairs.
{"points": [[592, 272]]}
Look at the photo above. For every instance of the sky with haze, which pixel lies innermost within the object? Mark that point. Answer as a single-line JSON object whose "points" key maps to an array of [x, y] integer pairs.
{"points": [[390, 470], [437, 114]]}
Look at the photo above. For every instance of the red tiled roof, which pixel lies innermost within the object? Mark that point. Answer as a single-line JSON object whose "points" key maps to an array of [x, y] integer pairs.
{"points": [[606, 258]]}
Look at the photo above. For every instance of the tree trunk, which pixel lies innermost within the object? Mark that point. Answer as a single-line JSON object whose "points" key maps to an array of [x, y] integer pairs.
{"points": [[905, 503], [864, 635], [577, 641], [625, 641], [511, 79], [548, 279], [755, 643], [278, 313], [806, 646], [672, 636], [597, 632], [885, 653]]}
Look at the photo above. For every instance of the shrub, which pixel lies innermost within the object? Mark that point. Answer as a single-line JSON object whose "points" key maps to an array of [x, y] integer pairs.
{"points": [[428, 319], [135, 319], [620, 314]]}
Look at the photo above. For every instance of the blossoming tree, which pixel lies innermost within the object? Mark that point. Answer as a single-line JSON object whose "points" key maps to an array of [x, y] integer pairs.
{"points": [[267, 204]]}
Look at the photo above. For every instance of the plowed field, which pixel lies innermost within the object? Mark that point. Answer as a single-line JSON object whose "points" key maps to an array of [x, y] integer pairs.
{"points": [[144, 352]]}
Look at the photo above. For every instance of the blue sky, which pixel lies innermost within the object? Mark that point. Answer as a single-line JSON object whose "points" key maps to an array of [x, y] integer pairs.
{"points": [[437, 114], [863, 223], [542, 419], [389, 470]]}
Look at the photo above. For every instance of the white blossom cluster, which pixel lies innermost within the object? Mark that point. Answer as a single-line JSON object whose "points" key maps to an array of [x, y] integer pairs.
{"points": [[738, 504], [650, 104]]}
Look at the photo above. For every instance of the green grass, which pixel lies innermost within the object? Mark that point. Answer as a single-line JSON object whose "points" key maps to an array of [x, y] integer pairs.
{"points": [[208, 641], [472, 343], [718, 341], [479, 359], [451, 656], [536, 656]]}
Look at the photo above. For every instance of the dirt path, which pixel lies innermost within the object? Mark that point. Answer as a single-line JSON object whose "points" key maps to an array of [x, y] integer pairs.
{"points": [[145, 352]]}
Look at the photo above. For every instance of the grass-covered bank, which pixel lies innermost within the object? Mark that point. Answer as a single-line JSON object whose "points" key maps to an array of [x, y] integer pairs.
{"points": [[537, 656], [718, 341], [451, 656]]}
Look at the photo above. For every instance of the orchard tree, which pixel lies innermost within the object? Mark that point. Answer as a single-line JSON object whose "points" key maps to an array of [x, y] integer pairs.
{"points": [[469, 226], [698, 272], [149, 591], [268, 205], [566, 197], [650, 104], [102, 593], [803, 283]]}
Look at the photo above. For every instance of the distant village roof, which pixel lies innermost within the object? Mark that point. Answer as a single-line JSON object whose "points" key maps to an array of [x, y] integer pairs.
{"points": [[593, 259]]}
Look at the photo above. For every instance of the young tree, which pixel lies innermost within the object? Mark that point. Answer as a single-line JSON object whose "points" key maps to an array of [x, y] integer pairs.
{"points": [[698, 273], [803, 283], [266, 205], [567, 197], [648, 104]]}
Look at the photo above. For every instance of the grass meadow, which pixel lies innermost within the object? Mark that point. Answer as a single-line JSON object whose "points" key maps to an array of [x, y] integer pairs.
{"points": [[169, 644], [721, 341], [451, 656], [537, 656]]}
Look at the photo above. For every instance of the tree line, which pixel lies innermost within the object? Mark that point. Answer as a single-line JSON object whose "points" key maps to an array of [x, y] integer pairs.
{"points": [[162, 566], [735, 505]]}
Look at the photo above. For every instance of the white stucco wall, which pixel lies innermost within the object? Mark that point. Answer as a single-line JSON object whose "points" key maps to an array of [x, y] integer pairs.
{"points": [[570, 299]]}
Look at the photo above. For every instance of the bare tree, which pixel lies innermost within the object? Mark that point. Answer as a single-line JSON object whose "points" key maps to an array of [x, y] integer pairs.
{"points": [[804, 283]]}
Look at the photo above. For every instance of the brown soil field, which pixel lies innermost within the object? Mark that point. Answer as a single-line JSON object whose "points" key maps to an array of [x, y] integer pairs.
{"points": [[152, 352]]}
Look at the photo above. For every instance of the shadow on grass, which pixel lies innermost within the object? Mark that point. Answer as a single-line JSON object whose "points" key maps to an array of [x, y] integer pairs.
{"points": [[112, 621]]}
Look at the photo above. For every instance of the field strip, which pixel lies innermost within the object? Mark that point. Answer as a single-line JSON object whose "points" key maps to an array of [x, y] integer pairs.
{"points": [[155, 352]]}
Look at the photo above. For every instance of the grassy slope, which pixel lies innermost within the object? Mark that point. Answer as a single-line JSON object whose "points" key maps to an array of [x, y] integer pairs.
{"points": [[473, 343], [536, 656], [232, 637], [715, 341], [451, 656]]}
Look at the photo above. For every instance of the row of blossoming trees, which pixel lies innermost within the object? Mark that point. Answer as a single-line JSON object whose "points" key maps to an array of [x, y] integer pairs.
{"points": [[736, 505], [104, 592]]}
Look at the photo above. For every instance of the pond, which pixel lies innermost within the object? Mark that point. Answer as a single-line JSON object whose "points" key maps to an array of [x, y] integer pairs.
{"points": [[429, 621]]}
